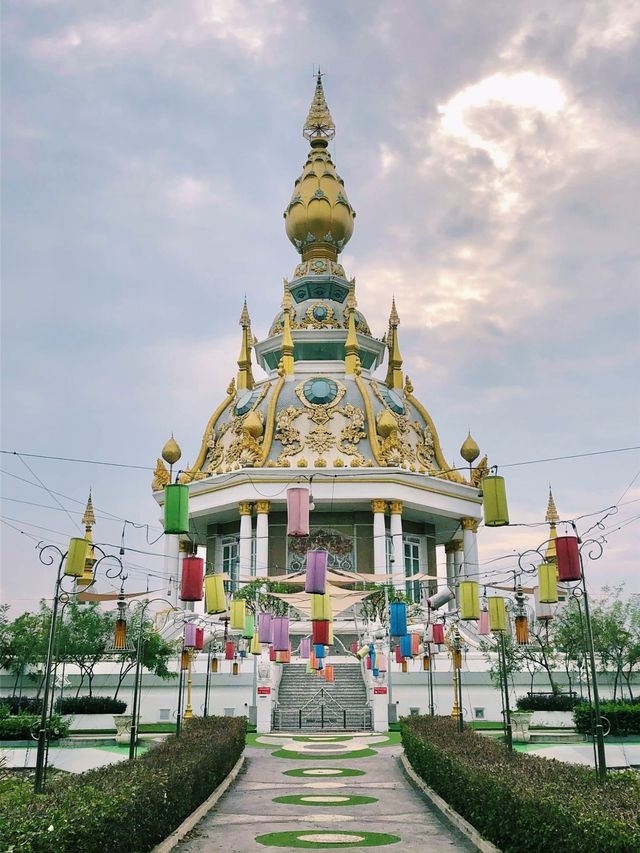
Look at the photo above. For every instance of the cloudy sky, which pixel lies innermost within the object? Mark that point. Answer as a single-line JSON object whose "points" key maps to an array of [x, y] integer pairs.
{"points": [[491, 152]]}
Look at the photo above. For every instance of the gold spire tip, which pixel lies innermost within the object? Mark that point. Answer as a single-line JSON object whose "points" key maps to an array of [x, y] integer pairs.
{"points": [[469, 450], [171, 451], [245, 319], [552, 516], [319, 124], [89, 517], [394, 317]]}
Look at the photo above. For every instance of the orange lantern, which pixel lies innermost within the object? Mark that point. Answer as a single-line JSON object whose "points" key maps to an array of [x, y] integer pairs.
{"points": [[522, 630]]}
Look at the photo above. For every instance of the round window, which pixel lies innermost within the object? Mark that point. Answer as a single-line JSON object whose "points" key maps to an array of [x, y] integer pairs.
{"points": [[320, 391]]}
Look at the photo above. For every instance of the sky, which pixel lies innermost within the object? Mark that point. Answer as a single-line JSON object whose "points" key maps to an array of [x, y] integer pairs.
{"points": [[490, 150]]}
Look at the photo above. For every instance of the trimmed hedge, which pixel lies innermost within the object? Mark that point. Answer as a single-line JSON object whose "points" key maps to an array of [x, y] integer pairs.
{"points": [[623, 717], [127, 807], [15, 704], [547, 702], [90, 705], [522, 802], [24, 726]]}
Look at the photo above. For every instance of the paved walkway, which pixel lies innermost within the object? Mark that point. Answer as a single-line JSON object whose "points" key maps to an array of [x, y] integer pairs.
{"points": [[339, 798]]}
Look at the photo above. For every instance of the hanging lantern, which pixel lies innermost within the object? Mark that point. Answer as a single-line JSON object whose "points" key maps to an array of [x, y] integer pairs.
{"points": [[248, 630], [497, 613], [214, 664], [305, 647], [494, 502], [547, 583], [544, 612], [318, 651], [426, 663], [313, 663], [76, 557], [568, 557], [406, 649], [316, 577], [272, 654], [215, 600], [189, 636], [320, 631], [364, 650], [398, 618], [328, 672], [321, 607], [404, 666], [415, 644], [330, 642], [308, 669], [438, 633], [235, 668], [456, 658], [320, 666], [428, 634], [264, 627], [229, 650], [381, 660], [298, 512], [399, 657], [238, 613], [483, 623], [354, 648], [280, 627], [469, 600], [283, 657], [191, 580], [367, 662], [184, 659], [440, 598], [522, 630], [255, 647], [199, 644], [176, 508]]}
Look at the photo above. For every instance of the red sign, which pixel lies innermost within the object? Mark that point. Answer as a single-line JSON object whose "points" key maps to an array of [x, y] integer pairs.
{"points": [[264, 691], [379, 690]]}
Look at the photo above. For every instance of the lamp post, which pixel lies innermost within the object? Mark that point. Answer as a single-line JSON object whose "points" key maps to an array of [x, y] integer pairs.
{"points": [[502, 656], [47, 556]]}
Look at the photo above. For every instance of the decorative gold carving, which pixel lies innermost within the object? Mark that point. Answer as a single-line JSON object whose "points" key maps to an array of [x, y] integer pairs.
{"points": [[353, 432], [302, 463], [338, 463], [469, 524], [245, 507], [378, 505], [263, 507], [329, 322], [160, 476], [480, 472], [445, 471], [395, 507], [196, 472], [315, 408], [288, 436], [320, 439], [270, 420], [408, 387], [371, 422], [450, 547], [320, 462]]}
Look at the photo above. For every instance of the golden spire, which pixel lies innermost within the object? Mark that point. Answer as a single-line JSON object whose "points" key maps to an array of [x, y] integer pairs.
{"points": [[88, 519], [319, 124], [394, 371], [552, 518], [552, 513], [351, 347], [469, 450], [287, 340], [171, 451], [245, 375]]}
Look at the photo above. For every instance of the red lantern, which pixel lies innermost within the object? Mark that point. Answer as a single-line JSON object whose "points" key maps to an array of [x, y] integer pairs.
{"points": [[368, 662], [354, 648], [199, 644], [320, 632], [568, 558], [415, 644], [438, 633], [229, 650], [272, 654], [399, 657], [192, 579]]}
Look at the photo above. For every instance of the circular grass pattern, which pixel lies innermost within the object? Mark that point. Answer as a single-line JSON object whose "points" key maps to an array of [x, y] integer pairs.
{"points": [[322, 739], [325, 800], [312, 772], [327, 839], [314, 756]]}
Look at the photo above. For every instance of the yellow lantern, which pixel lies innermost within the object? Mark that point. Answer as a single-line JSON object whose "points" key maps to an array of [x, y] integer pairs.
{"points": [[321, 607], [469, 600], [497, 613], [214, 598], [255, 648], [238, 613], [404, 666], [547, 583], [76, 557], [456, 657], [494, 502]]}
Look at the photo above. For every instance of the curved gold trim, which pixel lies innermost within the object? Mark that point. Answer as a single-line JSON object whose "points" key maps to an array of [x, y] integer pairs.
{"points": [[270, 420], [213, 420], [371, 420], [445, 471]]}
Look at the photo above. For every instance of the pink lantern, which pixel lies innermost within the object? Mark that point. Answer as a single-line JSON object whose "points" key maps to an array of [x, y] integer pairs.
{"points": [[381, 660], [229, 650], [264, 627], [438, 633], [280, 626], [399, 657], [354, 648], [320, 632], [316, 577], [199, 645], [367, 662], [189, 641], [192, 579], [483, 623], [305, 648], [272, 653], [568, 558], [298, 512]]}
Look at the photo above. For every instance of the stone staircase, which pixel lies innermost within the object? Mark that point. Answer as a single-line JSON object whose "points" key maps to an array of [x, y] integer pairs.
{"points": [[308, 703]]}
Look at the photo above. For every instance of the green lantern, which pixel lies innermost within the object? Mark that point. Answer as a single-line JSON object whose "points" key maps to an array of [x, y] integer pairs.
{"points": [[469, 600], [547, 583], [248, 630], [494, 502], [497, 613], [76, 557], [176, 508]]}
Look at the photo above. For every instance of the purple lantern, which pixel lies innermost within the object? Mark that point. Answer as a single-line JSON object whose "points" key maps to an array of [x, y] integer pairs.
{"points": [[305, 647], [189, 636], [316, 578], [280, 628], [264, 627]]}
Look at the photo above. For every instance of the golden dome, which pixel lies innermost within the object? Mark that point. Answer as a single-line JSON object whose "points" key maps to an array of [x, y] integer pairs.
{"points": [[171, 451], [469, 450], [319, 217]]}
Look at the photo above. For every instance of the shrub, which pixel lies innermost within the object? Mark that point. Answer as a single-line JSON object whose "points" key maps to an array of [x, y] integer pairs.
{"points": [[622, 717], [24, 726], [90, 705], [127, 807], [547, 702], [522, 802], [22, 703]]}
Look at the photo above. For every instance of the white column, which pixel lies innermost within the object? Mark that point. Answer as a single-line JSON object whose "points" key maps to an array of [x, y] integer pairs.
{"points": [[458, 561], [470, 544], [172, 565], [398, 545], [379, 538], [450, 549], [262, 538], [244, 550]]}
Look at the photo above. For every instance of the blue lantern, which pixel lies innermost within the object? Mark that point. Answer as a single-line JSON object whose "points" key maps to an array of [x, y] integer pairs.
{"points": [[405, 646], [318, 651], [398, 618]]}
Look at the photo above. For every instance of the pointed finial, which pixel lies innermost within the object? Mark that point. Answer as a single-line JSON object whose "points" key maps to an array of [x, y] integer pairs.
{"points": [[394, 370], [469, 450], [319, 124], [394, 318], [89, 517], [245, 374], [171, 451], [552, 513], [245, 320]]}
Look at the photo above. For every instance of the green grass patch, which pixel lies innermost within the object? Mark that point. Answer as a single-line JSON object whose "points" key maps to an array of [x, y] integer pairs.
{"points": [[311, 756], [393, 739], [332, 739], [485, 725], [344, 800], [342, 771], [251, 739], [294, 839]]}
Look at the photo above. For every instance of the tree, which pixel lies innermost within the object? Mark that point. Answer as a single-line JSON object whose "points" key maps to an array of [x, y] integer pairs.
{"points": [[24, 644], [514, 660], [266, 601], [156, 651], [84, 633]]}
